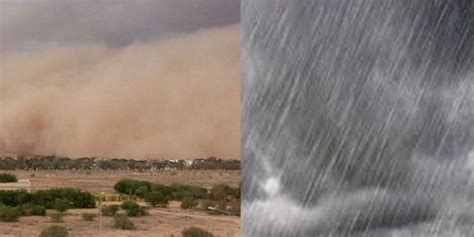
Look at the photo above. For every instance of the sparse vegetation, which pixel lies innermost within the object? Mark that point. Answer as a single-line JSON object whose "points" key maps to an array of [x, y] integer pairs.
{"points": [[130, 186], [61, 205], [54, 231], [206, 204], [221, 191], [142, 191], [15, 198], [7, 178], [175, 191], [88, 216], [156, 199], [189, 202], [57, 217], [30, 209], [9, 214], [92, 163], [133, 209], [235, 208], [181, 191], [47, 198], [196, 232], [112, 198], [236, 193], [121, 221], [155, 194], [109, 210]]}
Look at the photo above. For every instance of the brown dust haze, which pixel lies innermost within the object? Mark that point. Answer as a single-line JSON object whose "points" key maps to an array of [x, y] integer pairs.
{"points": [[174, 98]]}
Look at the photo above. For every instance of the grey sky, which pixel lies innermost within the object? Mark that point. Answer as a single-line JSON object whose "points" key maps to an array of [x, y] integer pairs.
{"points": [[31, 24]]}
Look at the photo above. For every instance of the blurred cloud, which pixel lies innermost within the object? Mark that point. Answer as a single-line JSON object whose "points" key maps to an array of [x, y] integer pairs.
{"points": [[175, 98], [140, 79], [30, 24]]}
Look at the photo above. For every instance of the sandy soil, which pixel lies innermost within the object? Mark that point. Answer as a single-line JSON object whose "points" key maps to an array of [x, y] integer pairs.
{"points": [[103, 181], [168, 221], [161, 222]]}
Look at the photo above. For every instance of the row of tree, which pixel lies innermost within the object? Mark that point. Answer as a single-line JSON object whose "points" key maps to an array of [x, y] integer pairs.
{"points": [[221, 196], [49, 198], [93, 163]]}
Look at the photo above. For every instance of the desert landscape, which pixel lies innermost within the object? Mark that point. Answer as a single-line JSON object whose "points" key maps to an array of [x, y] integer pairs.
{"points": [[103, 181], [160, 221], [119, 118]]}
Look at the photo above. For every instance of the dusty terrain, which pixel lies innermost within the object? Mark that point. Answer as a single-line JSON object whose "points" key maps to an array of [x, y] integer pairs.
{"points": [[103, 181], [168, 221]]}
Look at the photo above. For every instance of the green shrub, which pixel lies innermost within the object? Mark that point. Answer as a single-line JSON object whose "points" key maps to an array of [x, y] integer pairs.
{"points": [[156, 199], [132, 208], [7, 178], [38, 210], [236, 193], [175, 191], [123, 198], [166, 191], [181, 191], [129, 186], [76, 198], [88, 216], [61, 205], [54, 231], [188, 203], [47, 198], [142, 191], [122, 222], [9, 214], [30, 209], [15, 197], [220, 192], [196, 232], [57, 217], [109, 210]]}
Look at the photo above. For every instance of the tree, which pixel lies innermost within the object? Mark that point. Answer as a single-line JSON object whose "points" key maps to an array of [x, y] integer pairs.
{"points": [[156, 199], [61, 205], [132, 208], [130, 186], [142, 191], [7, 178]]}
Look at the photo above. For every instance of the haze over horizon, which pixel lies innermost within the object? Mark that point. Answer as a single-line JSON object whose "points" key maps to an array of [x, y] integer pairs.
{"points": [[148, 79]]}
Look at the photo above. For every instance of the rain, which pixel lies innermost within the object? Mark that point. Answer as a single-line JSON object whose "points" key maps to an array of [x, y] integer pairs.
{"points": [[358, 118]]}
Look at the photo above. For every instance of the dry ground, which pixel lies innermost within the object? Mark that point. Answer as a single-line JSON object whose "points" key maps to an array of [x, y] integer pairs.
{"points": [[103, 181], [161, 221]]}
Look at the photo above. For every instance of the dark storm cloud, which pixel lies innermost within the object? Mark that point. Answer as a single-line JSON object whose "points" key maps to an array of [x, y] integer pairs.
{"points": [[32, 24], [357, 116]]}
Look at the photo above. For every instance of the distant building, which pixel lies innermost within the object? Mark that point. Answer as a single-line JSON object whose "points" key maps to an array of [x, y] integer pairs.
{"points": [[21, 184]]}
